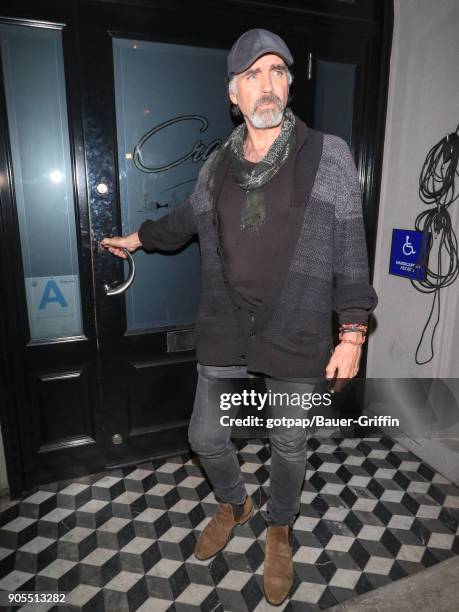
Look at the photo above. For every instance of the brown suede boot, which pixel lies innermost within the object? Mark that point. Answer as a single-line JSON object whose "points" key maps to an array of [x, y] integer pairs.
{"points": [[218, 531], [278, 568]]}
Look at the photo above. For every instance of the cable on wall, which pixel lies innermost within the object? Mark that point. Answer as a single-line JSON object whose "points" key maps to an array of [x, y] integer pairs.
{"points": [[437, 188]]}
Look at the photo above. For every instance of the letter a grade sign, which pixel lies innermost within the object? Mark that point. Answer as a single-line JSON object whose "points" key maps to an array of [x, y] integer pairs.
{"points": [[54, 306]]}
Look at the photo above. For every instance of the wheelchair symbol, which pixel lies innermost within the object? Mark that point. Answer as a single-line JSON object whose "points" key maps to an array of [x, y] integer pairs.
{"points": [[408, 247]]}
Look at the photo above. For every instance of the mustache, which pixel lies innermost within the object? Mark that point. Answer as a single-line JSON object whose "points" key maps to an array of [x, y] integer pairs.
{"points": [[266, 99]]}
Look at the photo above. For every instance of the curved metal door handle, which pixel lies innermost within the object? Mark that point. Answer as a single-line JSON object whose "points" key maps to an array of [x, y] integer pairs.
{"points": [[117, 289]]}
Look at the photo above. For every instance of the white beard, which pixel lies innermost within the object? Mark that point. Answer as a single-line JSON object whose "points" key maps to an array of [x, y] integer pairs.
{"points": [[268, 118]]}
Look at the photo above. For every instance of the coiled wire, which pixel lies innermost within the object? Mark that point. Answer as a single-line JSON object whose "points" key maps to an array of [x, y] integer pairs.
{"points": [[437, 187]]}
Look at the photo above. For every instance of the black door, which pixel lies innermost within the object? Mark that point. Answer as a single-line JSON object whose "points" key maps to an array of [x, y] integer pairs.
{"points": [[108, 111], [149, 124]]}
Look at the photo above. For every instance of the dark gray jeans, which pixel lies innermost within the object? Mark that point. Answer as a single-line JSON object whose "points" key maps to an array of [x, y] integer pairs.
{"points": [[212, 442]]}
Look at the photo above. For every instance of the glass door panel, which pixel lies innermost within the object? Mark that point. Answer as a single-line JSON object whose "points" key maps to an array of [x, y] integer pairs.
{"points": [[334, 98], [34, 80], [168, 123]]}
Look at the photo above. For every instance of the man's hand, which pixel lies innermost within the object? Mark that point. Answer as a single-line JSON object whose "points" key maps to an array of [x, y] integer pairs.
{"points": [[344, 363], [116, 244]]}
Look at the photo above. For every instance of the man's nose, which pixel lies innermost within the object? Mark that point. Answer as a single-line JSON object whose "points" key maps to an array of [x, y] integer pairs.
{"points": [[267, 83]]}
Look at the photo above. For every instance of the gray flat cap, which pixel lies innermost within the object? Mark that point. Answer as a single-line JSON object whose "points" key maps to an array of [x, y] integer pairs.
{"points": [[253, 44]]}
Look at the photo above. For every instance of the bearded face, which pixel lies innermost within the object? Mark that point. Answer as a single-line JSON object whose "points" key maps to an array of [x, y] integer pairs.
{"points": [[261, 92]]}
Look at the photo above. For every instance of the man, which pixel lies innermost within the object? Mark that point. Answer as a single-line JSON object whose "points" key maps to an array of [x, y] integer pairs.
{"points": [[279, 218]]}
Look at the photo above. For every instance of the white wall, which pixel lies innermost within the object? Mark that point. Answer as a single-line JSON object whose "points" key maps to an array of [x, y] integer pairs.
{"points": [[423, 105]]}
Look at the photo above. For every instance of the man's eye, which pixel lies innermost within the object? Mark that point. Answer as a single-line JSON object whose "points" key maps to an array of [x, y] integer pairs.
{"points": [[251, 77]]}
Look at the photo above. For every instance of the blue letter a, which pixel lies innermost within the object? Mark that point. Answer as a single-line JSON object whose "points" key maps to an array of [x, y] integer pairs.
{"points": [[49, 297]]}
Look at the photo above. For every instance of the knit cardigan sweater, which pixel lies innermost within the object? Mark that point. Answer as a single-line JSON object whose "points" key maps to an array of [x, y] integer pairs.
{"points": [[325, 269]]}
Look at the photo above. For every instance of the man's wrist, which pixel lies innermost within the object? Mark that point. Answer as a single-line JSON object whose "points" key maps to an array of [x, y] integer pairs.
{"points": [[352, 338], [353, 333], [135, 240]]}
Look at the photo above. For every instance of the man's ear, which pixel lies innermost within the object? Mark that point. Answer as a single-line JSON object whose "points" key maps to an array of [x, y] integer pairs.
{"points": [[232, 97]]}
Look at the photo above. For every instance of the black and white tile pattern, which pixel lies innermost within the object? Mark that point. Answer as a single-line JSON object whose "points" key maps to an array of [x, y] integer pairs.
{"points": [[371, 512]]}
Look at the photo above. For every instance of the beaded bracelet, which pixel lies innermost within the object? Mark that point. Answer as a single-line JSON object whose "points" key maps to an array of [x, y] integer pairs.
{"points": [[359, 326], [352, 330], [353, 327]]}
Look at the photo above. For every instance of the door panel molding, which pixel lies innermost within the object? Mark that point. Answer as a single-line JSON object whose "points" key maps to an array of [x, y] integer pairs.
{"points": [[155, 400], [64, 409]]}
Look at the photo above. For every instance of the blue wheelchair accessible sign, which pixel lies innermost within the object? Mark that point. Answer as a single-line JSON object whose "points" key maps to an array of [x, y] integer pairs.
{"points": [[405, 253]]}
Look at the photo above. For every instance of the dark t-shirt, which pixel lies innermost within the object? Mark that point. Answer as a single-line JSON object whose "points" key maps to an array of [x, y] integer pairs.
{"points": [[251, 258]]}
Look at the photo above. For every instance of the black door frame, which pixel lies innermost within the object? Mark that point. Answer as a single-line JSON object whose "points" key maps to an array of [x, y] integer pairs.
{"points": [[372, 19]]}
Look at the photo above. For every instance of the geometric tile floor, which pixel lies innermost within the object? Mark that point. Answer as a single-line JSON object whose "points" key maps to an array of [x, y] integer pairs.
{"points": [[371, 513]]}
